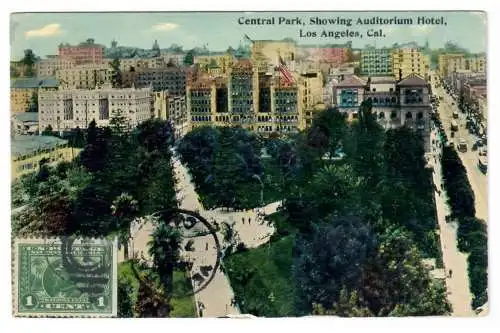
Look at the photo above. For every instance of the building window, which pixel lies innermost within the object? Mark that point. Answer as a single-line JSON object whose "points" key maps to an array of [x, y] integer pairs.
{"points": [[381, 115], [393, 115], [420, 115], [409, 115]]}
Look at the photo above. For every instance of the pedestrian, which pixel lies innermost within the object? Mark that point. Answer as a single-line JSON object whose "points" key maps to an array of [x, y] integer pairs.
{"points": [[451, 272], [243, 220], [206, 246], [249, 219]]}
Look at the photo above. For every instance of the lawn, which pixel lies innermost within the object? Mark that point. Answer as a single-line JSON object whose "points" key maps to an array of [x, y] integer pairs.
{"points": [[261, 279], [183, 306]]}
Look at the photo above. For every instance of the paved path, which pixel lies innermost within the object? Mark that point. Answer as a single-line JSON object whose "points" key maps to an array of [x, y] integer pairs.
{"points": [[457, 284], [215, 298]]}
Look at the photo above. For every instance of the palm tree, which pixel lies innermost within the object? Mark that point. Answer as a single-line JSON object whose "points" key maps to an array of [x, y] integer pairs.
{"points": [[124, 208], [164, 248]]}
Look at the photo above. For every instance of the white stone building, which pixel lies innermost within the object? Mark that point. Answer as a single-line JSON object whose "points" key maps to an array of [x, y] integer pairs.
{"points": [[48, 67], [71, 108]]}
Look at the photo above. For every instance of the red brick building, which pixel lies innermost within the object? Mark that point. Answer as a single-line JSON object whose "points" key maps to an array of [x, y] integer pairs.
{"points": [[332, 55], [84, 53]]}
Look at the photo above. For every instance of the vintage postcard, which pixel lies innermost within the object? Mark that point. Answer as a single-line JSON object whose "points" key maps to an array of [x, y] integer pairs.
{"points": [[249, 164]]}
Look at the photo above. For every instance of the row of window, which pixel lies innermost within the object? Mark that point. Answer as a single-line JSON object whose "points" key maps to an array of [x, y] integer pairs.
{"points": [[408, 115]]}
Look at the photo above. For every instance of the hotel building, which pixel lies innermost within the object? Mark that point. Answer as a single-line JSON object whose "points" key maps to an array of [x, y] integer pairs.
{"points": [[249, 98], [86, 76], [66, 109], [83, 53]]}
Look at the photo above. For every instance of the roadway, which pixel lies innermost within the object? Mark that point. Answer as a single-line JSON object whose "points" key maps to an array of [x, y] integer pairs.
{"points": [[478, 180]]}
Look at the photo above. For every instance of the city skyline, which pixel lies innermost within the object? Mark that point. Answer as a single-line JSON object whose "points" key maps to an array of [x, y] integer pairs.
{"points": [[43, 32]]}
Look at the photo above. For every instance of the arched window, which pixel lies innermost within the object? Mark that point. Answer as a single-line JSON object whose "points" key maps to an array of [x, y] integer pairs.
{"points": [[420, 115], [381, 115], [409, 115], [393, 114]]}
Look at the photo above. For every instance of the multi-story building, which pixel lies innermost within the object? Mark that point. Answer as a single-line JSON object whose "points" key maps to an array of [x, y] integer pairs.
{"points": [[310, 86], [406, 61], [66, 109], [394, 103], [476, 63], [223, 61], [23, 91], [265, 53], [83, 53], [176, 58], [24, 123], [48, 67], [172, 108], [459, 78], [332, 55], [449, 63], [255, 100], [28, 151], [137, 63], [172, 79], [376, 62], [86, 76]]}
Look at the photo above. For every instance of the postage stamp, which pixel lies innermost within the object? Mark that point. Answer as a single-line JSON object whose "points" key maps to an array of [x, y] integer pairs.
{"points": [[64, 277]]}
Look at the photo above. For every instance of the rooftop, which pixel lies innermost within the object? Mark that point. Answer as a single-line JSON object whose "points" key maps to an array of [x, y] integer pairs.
{"points": [[26, 116], [34, 82], [413, 80], [26, 144], [382, 79], [352, 81]]}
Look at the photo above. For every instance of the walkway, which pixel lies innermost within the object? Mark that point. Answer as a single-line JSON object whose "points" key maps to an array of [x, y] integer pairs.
{"points": [[457, 284], [215, 298]]}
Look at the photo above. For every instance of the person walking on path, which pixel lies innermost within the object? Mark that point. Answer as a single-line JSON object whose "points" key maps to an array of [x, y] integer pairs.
{"points": [[206, 246], [243, 220], [249, 219]]}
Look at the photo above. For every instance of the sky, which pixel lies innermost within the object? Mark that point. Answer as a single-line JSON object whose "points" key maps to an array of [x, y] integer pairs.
{"points": [[43, 32]]}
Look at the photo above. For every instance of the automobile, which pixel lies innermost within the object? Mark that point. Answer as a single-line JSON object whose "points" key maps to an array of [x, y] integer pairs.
{"points": [[479, 142], [451, 144], [475, 146], [483, 152], [462, 145], [483, 164]]}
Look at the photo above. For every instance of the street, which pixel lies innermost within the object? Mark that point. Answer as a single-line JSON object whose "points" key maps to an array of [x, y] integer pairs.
{"points": [[478, 180]]}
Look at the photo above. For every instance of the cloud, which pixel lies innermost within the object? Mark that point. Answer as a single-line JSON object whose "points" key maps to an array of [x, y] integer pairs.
{"points": [[49, 30], [165, 26]]}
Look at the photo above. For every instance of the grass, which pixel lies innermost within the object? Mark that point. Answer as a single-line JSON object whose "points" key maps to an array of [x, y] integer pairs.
{"points": [[261, 279], [183, 306]]}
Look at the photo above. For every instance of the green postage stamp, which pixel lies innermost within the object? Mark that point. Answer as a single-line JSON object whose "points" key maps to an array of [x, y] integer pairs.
{"points": [[64, 277]]}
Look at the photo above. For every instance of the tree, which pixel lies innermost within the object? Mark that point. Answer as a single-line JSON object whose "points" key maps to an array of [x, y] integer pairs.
{"points": [[124, 300], [151, 301], [330, 259], [397, 283], [348, 305], [116, 76], [33, 107], [96, 152], [119, 123], [124, 209], [189, 58], [48, 131], [164, 248], [29, 61]]}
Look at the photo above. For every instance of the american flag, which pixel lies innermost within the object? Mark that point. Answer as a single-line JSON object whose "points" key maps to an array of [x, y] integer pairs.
{"points": [[284, 70]]}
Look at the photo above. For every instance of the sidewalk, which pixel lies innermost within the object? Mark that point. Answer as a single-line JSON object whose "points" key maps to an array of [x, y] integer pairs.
{"points": [[457, 284]]}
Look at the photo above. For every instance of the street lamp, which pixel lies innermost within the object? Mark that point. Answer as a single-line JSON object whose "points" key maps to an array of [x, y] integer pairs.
{"points": [[255, 176]]}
